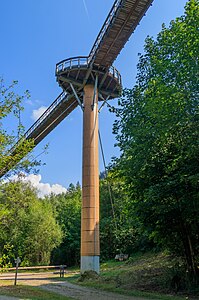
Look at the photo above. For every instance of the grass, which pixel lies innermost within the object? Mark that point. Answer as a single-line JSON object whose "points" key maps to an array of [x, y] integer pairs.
{"points": [[27, 292], [110, 287], [147, 275], [143, 275]]}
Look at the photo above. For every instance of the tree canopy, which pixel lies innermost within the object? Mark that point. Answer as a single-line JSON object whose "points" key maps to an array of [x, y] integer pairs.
{"points": [[11, 107], [158, 136], [27, 224]]}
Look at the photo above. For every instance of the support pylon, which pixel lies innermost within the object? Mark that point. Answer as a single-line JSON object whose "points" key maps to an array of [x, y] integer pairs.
{"points": [[90, 250]]}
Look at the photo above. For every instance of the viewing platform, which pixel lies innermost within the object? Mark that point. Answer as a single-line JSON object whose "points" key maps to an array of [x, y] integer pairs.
{"points": [[80, 71]]}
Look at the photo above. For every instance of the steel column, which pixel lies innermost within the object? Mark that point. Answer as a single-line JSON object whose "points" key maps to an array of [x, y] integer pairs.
{"points": [[90, 249]]}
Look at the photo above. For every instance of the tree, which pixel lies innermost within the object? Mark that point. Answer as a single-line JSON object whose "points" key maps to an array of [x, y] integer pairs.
{"points": [[44, 234], [10, 155], [27, 224], [67, 208], [158, 137], [120, 229]]}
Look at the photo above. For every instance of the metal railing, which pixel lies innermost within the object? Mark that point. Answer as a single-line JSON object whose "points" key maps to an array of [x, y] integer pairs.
{"points": [[47, 112], [57, 101], [104, 28], [83, 62], [115, 74], [78, 61]]}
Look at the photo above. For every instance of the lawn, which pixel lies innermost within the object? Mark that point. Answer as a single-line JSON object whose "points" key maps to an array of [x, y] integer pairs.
{"points": [[145, 275]]}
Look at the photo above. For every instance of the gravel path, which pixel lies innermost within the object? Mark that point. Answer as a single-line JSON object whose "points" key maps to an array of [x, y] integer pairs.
{"points": [[7, 298], [46, 282]]}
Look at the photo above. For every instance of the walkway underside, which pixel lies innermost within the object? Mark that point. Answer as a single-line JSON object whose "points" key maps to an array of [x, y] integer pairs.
{"points": [[51, 118], [121, 22]]}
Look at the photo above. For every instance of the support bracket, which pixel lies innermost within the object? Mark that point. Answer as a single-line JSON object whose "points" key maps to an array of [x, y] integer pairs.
{"points": [[76, 96]]}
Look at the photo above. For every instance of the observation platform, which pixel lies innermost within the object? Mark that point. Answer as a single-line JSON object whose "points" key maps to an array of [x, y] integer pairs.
{"points": [[79, 71]]}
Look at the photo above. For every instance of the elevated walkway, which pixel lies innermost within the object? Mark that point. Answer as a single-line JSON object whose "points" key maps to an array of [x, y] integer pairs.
{"points": [[55, 113], [120, 23]]}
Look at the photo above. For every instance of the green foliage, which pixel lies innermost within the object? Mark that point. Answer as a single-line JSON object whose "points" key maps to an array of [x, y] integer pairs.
{"points": [[6, 257], [11, 109], [120, 229], [158, 137], [27, 223], [67, 208]]}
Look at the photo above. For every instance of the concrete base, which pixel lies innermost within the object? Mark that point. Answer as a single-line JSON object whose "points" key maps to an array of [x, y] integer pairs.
{"points": [[90, 263]]}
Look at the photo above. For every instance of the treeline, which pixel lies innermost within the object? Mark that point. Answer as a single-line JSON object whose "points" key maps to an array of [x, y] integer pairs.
{"points": [[28, 227], [39, 231], [157, 130], [47, 231]]}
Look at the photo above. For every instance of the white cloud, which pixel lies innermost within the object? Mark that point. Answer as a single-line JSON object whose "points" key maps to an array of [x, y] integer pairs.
{"points": [[38, 112], [43, 189]]}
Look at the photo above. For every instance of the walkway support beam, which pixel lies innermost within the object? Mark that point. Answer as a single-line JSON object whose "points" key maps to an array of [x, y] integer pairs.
{"points": [[90, 249]]}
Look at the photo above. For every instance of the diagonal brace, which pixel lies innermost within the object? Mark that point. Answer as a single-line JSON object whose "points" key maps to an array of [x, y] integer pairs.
{"points": [[104, 102], [76, 96]]}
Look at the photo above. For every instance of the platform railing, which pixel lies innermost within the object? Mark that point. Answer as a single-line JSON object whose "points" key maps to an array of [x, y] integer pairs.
{"points": [[115, 74], [78, 61], [83, 62]]}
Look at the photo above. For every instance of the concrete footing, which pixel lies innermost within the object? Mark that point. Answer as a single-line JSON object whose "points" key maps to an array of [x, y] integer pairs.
{"points": [[90, 263]]}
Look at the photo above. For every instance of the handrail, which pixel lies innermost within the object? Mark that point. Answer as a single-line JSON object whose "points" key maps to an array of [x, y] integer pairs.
{"points": [[45, 114], [83, 61], [71, 62], [35, 267], [104, 28], [73, 57], [116, 74]]}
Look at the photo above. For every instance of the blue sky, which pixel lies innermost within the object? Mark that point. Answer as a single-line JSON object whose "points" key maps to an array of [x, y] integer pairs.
{"points": [[35, 35]]}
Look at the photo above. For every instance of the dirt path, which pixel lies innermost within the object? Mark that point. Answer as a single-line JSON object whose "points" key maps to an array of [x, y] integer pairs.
{"points": [[46, 282], [7, 298]]}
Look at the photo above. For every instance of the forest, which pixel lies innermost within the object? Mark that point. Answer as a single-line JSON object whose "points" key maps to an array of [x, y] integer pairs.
{"points": [[154, 203]]}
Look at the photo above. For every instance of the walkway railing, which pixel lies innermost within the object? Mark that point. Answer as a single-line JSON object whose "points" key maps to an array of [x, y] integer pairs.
{"points": [[103, 30], [58, 100], [27, 134]]}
